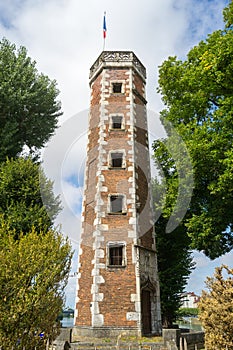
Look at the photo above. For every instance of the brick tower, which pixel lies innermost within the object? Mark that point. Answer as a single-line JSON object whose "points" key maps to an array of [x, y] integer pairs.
{"points": [[118, 289]]}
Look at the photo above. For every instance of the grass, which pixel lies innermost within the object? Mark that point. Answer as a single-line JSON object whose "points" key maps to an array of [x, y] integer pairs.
{"points": [[141, 340]]}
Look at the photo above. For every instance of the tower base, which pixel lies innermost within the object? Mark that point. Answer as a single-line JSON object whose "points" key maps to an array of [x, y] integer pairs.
{"points": [[103, 332]]}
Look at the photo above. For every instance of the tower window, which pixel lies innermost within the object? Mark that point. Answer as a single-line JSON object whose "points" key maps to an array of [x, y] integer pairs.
{"points": [[117, 204], [117, 122], [116, 160], [117, 88], [116, 254]]}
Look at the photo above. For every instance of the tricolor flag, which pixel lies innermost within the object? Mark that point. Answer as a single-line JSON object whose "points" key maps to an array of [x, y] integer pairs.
{"points": [[104, 26]]}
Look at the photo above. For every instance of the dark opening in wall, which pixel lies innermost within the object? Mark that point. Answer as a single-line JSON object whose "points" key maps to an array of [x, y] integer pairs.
{"points": [[116, 160], [116, 204], [116, 255], [117, 88], [117, 122]]}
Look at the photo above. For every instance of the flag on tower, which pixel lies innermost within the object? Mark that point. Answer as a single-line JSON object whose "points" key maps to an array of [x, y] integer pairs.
{"points": [[104, 26]]}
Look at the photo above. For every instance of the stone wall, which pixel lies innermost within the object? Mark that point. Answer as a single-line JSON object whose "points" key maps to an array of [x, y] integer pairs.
{"points": [[173, 339], [192, 341], [183, 341]]}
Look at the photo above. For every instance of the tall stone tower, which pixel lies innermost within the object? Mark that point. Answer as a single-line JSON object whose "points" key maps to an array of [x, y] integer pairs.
{"points": [[118, 289]]}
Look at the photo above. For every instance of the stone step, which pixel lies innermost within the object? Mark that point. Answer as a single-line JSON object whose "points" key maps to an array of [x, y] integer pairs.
{"points": [[91, 346]]}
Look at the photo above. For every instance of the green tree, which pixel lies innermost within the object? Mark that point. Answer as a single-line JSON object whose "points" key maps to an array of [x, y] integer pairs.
{"points": [[188, 312], [198, 98], [34, 258], [26, 196], [175, 262], [34, 271], [29, 109], [216, 310]]}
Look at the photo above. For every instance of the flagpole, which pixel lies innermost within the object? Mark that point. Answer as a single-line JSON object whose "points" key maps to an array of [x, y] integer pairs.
{"points": [[104, 30]]}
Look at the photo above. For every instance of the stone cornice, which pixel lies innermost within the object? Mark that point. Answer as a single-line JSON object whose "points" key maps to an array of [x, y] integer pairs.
{"points": [[122, 59]]}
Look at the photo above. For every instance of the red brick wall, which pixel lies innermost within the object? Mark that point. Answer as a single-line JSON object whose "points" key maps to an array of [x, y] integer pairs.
{"points": [[120, 283], [85, 260]]}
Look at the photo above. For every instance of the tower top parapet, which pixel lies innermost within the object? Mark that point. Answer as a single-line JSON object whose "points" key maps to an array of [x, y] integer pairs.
{"points": [[124, 59]]}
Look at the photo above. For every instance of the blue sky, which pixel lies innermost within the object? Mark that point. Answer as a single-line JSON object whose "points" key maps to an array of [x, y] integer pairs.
{"points": [[64, 37]]}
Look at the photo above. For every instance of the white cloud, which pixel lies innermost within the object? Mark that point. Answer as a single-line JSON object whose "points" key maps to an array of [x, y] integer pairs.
{"points": [[205, 267]]}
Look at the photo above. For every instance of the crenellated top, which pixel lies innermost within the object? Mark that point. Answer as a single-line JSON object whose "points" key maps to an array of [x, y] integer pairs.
{"points": [[118, 59]]}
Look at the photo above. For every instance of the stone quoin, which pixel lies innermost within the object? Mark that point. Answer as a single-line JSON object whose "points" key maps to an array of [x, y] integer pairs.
{"points": [[118, 287]]}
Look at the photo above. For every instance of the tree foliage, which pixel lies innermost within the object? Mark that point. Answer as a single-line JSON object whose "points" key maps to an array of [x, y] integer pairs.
{"points": [[29, 109], [188, 312], [34, 272], [175, 263], [34, 258], [198, 98], [26, 196], [216, 309]]}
